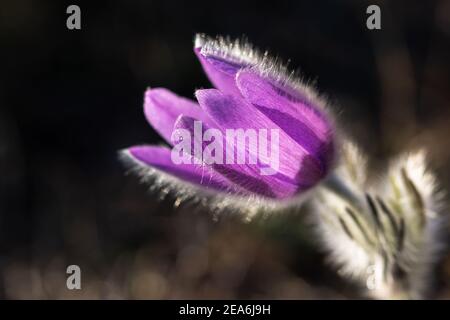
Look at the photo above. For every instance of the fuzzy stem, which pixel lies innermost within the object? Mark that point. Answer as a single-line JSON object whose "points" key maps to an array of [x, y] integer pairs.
{"points": [[338, 186]]}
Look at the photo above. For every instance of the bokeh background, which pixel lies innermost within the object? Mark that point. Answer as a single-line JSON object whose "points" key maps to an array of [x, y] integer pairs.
{"points": [[70, 99]]}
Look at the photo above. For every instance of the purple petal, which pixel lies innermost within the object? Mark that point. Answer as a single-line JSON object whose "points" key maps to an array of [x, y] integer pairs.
{"points": [[292, 111], [162, 108], [246, 176], [220, 72], [220, 62], [230, 112], [160, 158]]}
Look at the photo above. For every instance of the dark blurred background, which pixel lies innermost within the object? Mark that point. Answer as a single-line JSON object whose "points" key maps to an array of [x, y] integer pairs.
{"points": [[69, 99]]}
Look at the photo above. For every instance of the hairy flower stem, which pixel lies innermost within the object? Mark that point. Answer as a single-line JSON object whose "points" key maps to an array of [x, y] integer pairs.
{"points": [[340, 188]]}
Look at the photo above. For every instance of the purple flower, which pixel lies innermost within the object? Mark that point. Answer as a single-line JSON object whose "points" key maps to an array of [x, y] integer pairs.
{"points": [[252, 91]]}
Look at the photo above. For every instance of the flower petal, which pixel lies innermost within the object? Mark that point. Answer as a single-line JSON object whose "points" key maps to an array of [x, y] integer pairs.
{"points": [[245, 176], [291, 110], [296, 165], [221, 59], [160, 158], [162, 108]]}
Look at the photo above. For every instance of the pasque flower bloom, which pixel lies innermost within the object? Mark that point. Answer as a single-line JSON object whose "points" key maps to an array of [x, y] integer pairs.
{"points": [[252, 91], [384, 234]]}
